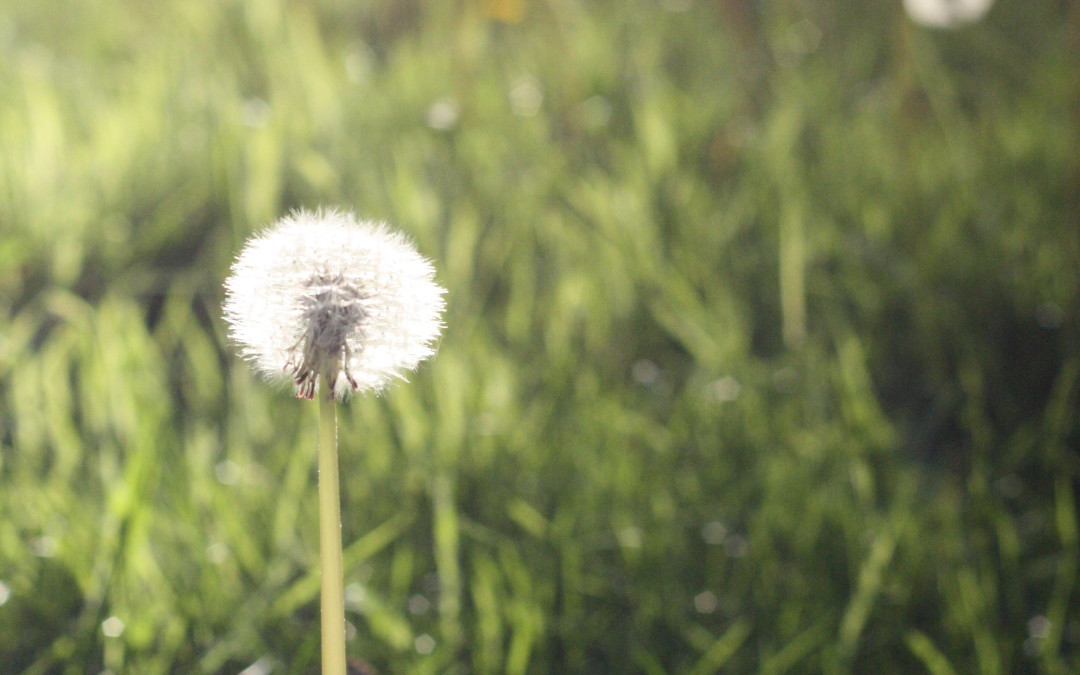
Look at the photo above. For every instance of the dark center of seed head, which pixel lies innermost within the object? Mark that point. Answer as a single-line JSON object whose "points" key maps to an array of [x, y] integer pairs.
{"points": [[332, 313]]}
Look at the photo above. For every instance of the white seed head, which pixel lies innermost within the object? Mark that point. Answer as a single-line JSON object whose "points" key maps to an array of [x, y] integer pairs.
{"points": [[322, 293], [947, 13]]}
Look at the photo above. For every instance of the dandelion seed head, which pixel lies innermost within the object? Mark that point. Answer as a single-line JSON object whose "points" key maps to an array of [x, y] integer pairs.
{"points": [[947, 13], [323, 293]]}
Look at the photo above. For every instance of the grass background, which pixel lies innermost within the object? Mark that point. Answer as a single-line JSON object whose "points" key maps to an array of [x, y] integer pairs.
{"points": [[762, 351]]}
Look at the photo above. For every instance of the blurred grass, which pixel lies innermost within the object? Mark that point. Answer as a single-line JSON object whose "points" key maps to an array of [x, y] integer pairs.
{"points": [[762, 349]]}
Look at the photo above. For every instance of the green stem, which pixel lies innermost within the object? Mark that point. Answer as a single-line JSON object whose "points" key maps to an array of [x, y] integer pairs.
{"points": [[332, 601]]}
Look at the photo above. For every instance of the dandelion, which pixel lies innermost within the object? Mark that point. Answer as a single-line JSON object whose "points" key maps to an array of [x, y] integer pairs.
{"points": [[325, 300], [321, 293], [946, 13]]}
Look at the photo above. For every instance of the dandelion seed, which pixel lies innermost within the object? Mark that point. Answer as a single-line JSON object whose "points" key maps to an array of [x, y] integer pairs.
{"points": [[1039, 626], [706, 602], [323, 293], [419, 605], [443, 114], [112, 627], [43, 546], [526, 96], [424, 644], [714, 533]]}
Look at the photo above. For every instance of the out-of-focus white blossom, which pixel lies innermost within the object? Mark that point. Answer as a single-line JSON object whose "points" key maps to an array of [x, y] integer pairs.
{"points": [[323, 293], [946, 13]]}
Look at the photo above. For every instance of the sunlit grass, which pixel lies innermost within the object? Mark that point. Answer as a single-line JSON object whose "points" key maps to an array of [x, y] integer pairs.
{"points": [[761, 347]]}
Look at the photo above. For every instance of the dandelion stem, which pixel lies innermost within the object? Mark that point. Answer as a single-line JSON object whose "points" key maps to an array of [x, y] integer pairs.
{"points": [[332, 601]]}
